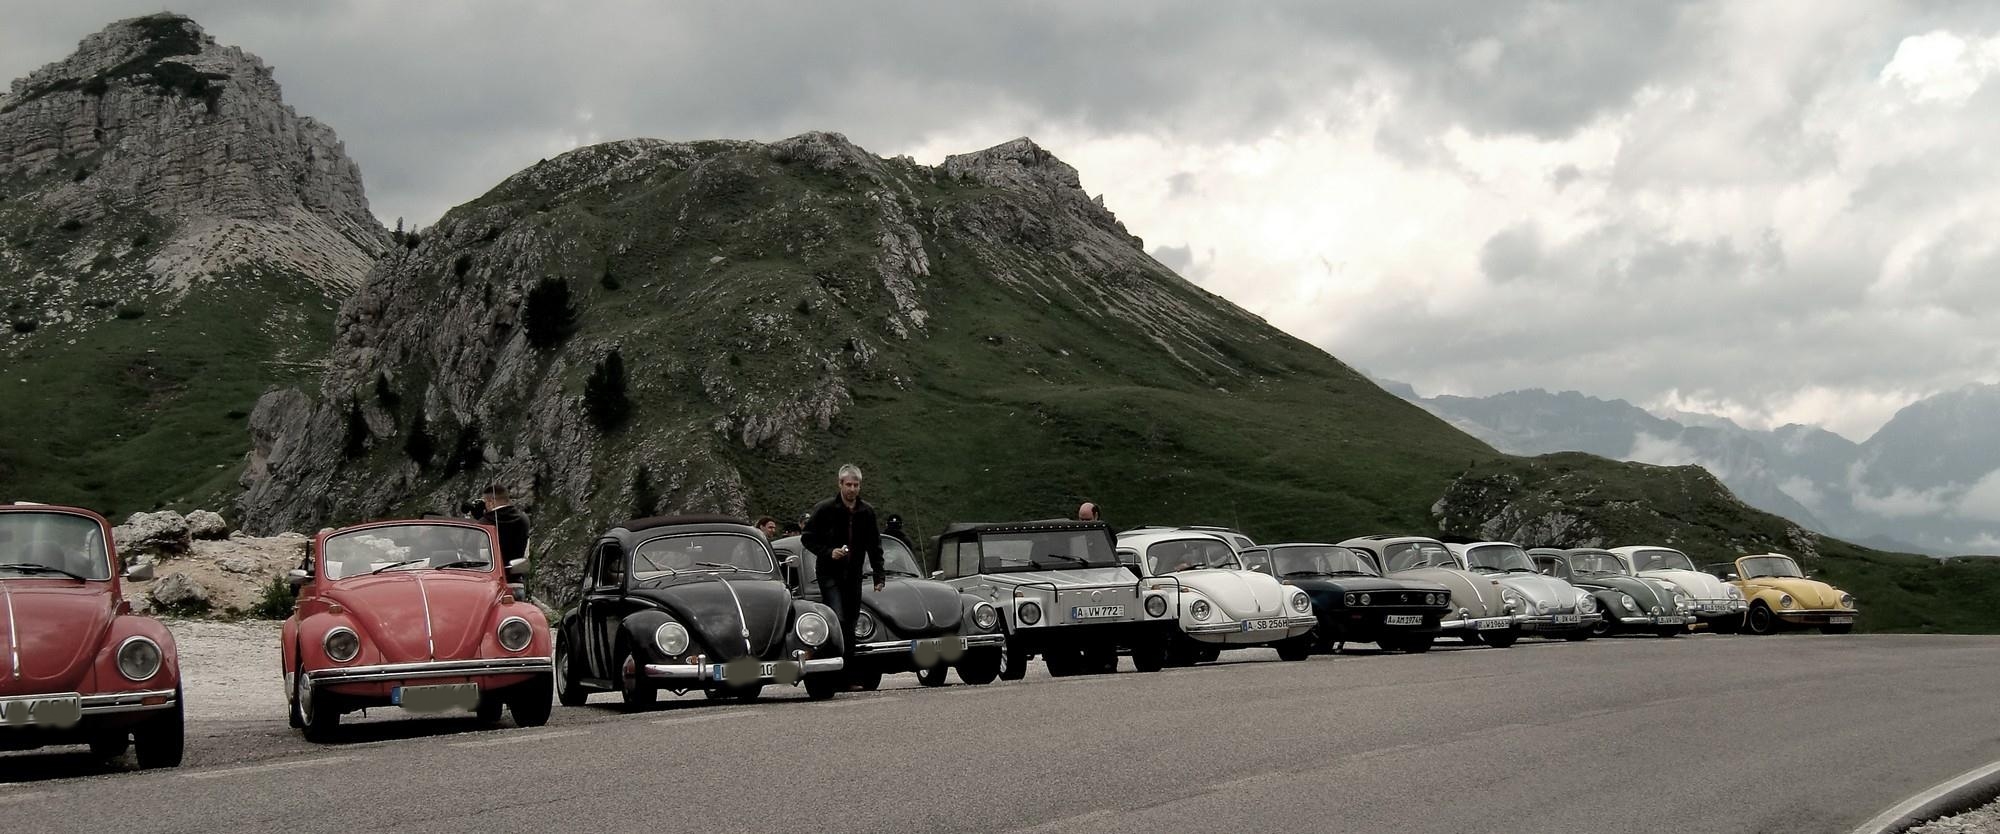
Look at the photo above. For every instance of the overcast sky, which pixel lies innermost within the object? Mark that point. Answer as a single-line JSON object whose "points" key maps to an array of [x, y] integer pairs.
{"points": [[1769, 211]]}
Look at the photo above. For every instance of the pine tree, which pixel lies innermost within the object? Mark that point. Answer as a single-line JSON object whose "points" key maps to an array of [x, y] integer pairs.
{"points": [[419, 445], [357, 431], [604, 397], [645, 496]]}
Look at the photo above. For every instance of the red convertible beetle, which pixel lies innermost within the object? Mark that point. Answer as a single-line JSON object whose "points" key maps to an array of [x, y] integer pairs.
{"points": [[76, 665], [415, 614]]}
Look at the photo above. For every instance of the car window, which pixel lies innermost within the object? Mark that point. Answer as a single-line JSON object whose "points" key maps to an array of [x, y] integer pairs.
{"points": [[1503, 558], [33, 543], [1189, 554], [1257, 559], [607, 573], [1413, 555], [1328, 560], [897, 558], [412, 546], [701, 553], [1002, 552], [1553, 566], [1660, 558], [1776, 567], [1596, 563]]}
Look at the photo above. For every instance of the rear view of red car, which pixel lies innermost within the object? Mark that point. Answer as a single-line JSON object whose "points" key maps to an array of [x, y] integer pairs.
{"points": [[76, 666], [414, 614]]}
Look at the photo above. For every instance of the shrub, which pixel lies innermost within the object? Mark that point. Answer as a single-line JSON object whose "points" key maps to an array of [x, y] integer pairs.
{"points": [[468, 453], [71, 224], [125, 312], [385, 394], [419, 445], [604, 397], [82, 173], [277, 602], [356, 443], [645, 496], [26, 325], [462, 265], [551, 314], [141, 239], [609, 281]]}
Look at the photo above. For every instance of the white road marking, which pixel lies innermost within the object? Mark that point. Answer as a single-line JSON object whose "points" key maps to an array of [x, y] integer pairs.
{"points": [[855, 702], [519, 738], [294, 765], [12, 798], [692, 719]]}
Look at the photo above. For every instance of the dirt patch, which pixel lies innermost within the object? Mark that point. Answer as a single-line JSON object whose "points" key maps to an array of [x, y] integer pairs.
{"points": [[230, 671], [232, 574]]}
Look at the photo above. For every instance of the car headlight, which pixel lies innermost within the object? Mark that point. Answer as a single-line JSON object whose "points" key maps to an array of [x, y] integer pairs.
{"points": [[1156, 606], [1683, 602], [1586, 605], [864, 625], [1847, 600], [985, 616], [812, 628], [1659, 609], [1735, 592], [1301, 603], [341, 644], [1436, 599], [1628, 602], [1785, 601], [139, 658], [514, 634], [1029, 612], [672, 638], [1365, 599], [1200, 609], [1512, 598], [1349, 599]]}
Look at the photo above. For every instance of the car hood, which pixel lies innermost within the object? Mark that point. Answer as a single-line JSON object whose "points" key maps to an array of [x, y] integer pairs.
{"points": [[1358, 584], [1544, 591], [915, 607], [1697, 584], [1646, 593], [57, 627], [1241, 594], [415, 615], [1072, 577], [1470, 591], [729, 616], [1809, 593]]}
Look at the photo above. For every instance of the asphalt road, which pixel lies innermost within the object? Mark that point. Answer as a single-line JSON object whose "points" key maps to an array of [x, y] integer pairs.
{"points": [[1729, 734]]}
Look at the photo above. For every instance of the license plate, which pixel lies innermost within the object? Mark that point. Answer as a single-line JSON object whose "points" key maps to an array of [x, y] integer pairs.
{"points": [[1088, 612], [1568, 619], [719, 671], [1403, 619], [1492, 625], [437, 697], [1262, 625], [1839, 620], [47, 711], [1671, 620]]}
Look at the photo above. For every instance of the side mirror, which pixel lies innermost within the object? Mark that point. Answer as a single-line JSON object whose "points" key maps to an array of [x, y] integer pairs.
{"points": [[791, 561], [937, 574], [520, 590], [140, 572], [1261, 569], [1732, 578], [298, 578], [517, 568]]}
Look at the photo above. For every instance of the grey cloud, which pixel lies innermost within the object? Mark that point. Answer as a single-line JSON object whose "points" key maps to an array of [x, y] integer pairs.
{"points": [[1181, 185], [1180, 259], [1511, 254]]}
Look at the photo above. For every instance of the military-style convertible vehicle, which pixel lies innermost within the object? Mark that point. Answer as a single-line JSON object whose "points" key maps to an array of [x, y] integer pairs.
{"points": [[912, 625]]}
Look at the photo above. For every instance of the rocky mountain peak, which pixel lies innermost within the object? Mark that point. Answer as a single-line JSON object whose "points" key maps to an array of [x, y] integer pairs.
{"points": [[152, 118]]}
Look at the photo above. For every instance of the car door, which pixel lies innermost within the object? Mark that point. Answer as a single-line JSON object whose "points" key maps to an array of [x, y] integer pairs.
{"points": [[604, 590]]}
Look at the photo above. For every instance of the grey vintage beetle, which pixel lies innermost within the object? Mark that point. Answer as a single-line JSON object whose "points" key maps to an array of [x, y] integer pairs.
{"points": [[913, 624]]}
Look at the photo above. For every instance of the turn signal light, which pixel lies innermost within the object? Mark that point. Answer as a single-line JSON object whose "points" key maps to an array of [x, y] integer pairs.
{"points": [[335, 608], [153, 700]]}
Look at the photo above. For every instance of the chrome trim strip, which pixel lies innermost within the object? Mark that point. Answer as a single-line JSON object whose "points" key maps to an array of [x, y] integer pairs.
{"points": [[683, 671], [13, 634], [900, 646], [117, 702], [433, 669], [742, 619], [430, 644]]}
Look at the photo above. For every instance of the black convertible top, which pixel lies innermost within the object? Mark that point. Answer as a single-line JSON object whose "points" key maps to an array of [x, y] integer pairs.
{"points": [[651, 522]]}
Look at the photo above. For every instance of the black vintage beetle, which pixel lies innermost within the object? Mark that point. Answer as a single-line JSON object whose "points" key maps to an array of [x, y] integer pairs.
{"points": [[1354, 602], [691, 602], [912, 625]]}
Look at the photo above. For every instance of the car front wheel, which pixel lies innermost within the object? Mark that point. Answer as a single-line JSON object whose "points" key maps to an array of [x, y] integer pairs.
{"points": [[1013, 664], [1500, 639], [633, 686], [932, 676], [1296, 648], [569, 690], [980, 666], [530, 702], [161, 740], [824, 685], [319, 718], [1761, 620]]}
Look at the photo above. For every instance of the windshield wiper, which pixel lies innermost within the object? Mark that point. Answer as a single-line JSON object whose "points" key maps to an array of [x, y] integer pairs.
{"points": [[1307, 573], [31, 567], [463, 563], [1353, 573], [398, 565], [1083, 562], [718, 565]]}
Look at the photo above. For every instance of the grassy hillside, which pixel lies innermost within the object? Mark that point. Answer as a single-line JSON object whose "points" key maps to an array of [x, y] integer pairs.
{"points": [[1572, 499]]}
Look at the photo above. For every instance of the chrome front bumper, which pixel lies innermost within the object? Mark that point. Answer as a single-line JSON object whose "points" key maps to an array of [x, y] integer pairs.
{"points": [[1299, 621], [111, 703], [1547, 622], [1473, 623], [975, 641], [789, 670], [432, 669], [1716, 608], [1815, 614]]}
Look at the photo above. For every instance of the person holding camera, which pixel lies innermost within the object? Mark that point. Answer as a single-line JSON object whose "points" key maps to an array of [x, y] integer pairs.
{"points": [[840, 532], [493, 507]]}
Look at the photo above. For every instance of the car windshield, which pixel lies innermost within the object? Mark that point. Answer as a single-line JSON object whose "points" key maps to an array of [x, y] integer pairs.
{"points": [[408, 547], [1046, 550], [897, 559], [1661, 559], [1499, 558], [1329, 560], [1596, 563], [1413, 555], [34, 544], [1781, 567], [701, 552], [1189, 554]]}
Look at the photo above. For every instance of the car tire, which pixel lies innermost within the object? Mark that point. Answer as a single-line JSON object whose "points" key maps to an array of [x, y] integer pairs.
{"points": [[569, 690], [635, 690], [1100, 660], [491, 709], [1760, 620], [824, 685], [868, 679], [1414, 643], [110, 745], [1605, 626], [980, 666], [1500, 639], [1181, 651], [937, 675], [531, 702], [1208, 655], [319, 719], [1837, 629], [1063, 663], [1013, 663], [1726, 625], [161, 741], [1149, 656], [1296, 648], [734, 693], [1577, 636], [1670, 631]]}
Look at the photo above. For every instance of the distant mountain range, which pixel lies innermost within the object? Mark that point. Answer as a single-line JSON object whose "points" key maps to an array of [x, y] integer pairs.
{"points": [[1928, 481]]}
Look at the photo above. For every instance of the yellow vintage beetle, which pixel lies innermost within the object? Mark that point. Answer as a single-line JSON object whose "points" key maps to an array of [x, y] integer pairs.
{"points": [[1782, 596]]}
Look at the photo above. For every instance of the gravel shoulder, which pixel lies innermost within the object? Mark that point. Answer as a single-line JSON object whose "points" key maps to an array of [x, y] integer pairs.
{"points": [[230, 670], [1983, 820]]}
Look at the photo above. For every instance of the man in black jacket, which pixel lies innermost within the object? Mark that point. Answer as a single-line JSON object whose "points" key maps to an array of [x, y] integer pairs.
{"points": [[840, 532], [500, 512]]}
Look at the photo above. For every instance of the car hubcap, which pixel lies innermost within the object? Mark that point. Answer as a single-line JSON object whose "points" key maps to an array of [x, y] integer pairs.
{"points": [[562, 673]]}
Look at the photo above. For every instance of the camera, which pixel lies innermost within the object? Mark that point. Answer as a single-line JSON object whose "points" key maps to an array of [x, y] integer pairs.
{"points": [[475, 508]]}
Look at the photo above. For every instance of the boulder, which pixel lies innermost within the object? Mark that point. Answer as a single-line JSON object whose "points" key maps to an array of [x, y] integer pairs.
{"points": [[239, 564], [203, 524], [178, 592], [157, 533]]}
